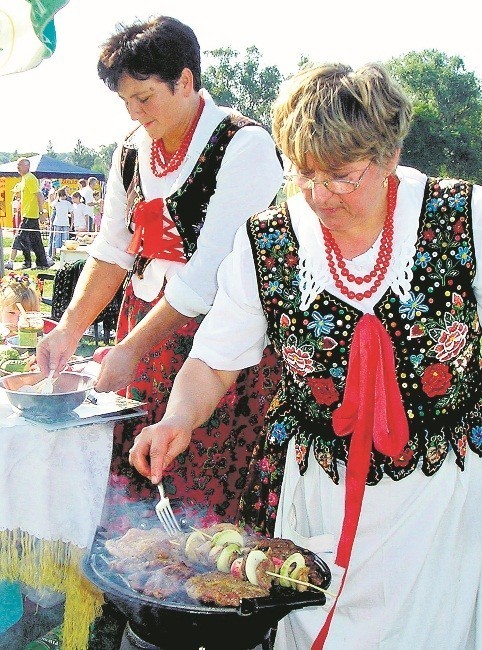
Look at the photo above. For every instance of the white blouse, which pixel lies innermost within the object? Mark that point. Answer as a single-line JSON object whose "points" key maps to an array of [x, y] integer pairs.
{"points": [[247, 182], [233, 334]]}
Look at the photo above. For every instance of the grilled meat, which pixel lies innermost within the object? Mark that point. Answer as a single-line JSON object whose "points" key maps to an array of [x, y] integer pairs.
{"points": [[141, 544], [168, 580], [222, 589], [158, 566]]}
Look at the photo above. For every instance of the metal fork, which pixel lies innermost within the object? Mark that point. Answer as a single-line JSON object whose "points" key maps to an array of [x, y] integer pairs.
{"points": [[165, 513]]}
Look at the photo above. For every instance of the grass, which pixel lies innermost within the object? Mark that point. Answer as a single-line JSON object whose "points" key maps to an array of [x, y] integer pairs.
{"points": [[87, 344], [47, 293]]}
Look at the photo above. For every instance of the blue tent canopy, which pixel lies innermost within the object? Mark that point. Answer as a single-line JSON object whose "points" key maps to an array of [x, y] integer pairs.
{"points": [[47, 167]]}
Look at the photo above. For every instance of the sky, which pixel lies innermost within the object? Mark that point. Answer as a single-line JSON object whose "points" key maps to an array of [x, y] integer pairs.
{"points": [[62, 100]]}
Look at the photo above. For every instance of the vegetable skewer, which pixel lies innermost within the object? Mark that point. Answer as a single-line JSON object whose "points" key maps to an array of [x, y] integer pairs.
{"points": [[303, 583]]}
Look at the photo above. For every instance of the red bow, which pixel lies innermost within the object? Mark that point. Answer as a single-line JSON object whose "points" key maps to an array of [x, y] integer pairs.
{"points": [[152, 233], [373, 412]]}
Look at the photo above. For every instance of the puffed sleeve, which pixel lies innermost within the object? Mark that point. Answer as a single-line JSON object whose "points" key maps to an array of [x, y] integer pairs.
{"points": [[247, 183], [233, 334], [110, 244]]}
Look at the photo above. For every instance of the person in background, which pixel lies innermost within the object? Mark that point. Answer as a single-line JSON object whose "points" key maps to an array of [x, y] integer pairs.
{"points": [[87, 193], [17, 288], [16, 209], [45, 188], [367, 282], [67, 193], [80, 216], [98, 209], [190, 184], [60, 224], [28, 238]]}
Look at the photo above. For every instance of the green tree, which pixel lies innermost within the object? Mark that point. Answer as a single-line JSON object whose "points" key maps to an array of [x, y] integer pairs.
{"points": [[50, 150], [445, 134], [103, 158], [242, 83], [83, 156]]}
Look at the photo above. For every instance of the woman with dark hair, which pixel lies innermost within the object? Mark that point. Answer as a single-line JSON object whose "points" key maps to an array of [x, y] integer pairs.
{"points": [[180, 185]]}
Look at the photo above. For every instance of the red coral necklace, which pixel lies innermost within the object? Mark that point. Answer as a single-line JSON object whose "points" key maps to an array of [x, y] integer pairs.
{"points": [[161, 162], [383, 258]]}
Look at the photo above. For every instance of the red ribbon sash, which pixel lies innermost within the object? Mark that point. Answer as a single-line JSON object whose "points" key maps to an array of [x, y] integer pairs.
{"points": [[372, 411], [152, 235]]}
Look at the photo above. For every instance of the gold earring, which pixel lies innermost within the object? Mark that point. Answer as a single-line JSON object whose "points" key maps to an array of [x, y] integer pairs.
{"points": [[385, 182]]}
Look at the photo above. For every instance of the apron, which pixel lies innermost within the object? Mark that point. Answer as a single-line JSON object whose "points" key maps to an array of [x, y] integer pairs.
{"points": [[417, 540]]}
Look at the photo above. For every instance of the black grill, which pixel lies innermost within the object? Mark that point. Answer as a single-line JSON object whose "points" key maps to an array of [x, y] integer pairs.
{"points": [[180, 622]]}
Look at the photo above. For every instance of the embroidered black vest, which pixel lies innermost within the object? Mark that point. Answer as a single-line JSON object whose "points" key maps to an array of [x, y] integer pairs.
{"points": [[435, 334], [188, 205]]}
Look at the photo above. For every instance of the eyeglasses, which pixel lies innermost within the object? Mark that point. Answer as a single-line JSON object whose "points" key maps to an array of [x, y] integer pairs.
{"points": [[335, 185]]}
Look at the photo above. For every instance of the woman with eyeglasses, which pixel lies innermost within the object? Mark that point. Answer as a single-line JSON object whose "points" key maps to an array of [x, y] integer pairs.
{"points": [[366, 283]]}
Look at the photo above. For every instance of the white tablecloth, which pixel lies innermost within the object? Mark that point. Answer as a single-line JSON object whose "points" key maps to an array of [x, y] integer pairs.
{"points": [[52, 483]]}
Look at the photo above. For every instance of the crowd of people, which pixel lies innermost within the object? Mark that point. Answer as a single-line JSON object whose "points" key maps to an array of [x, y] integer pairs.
{"points": [[310, 367], [49, 209]]}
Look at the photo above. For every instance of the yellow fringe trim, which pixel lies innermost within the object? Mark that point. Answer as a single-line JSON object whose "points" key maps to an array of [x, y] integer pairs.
{"points": [[41, 563]]}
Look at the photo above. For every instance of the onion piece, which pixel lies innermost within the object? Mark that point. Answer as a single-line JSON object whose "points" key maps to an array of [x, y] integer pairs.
{"points": [[226, 557], [252, 561], [214, 554], [193, 541], [290, 566], [227, 536]]}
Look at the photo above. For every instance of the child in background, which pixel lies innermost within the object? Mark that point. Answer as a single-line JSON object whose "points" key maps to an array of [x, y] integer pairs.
{"points": [[98, 208], [81, 217], [17, 288], [60, 224]]}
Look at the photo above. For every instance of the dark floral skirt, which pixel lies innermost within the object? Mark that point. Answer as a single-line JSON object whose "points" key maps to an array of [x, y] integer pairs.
{"points": [[212, 472]]}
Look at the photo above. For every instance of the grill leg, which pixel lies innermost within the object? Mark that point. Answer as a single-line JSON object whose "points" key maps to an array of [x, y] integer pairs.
{"points": [[268, 642]]}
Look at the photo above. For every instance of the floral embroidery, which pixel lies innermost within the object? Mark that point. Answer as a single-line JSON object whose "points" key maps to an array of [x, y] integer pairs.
{"points": [[324, 390], [284, 320], [462, 446], [458, 227], [451, 341], [434, 204], [327, 343], [300, 453], [413, 305], [463, 255], [423, 259], [298, 359], [274, 287], [437, 449], [278, 432], [429, 235], [477, 435], [416, 331], [291, 260], [404, 459], [321, 324], [458, 202], [436, 379], [457, 301], [416, 359]]}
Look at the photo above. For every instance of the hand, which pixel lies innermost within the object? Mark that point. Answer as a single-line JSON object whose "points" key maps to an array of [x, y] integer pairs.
{"points": [[157, 446], [118, 369], [99, 353], [55, 349]]}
